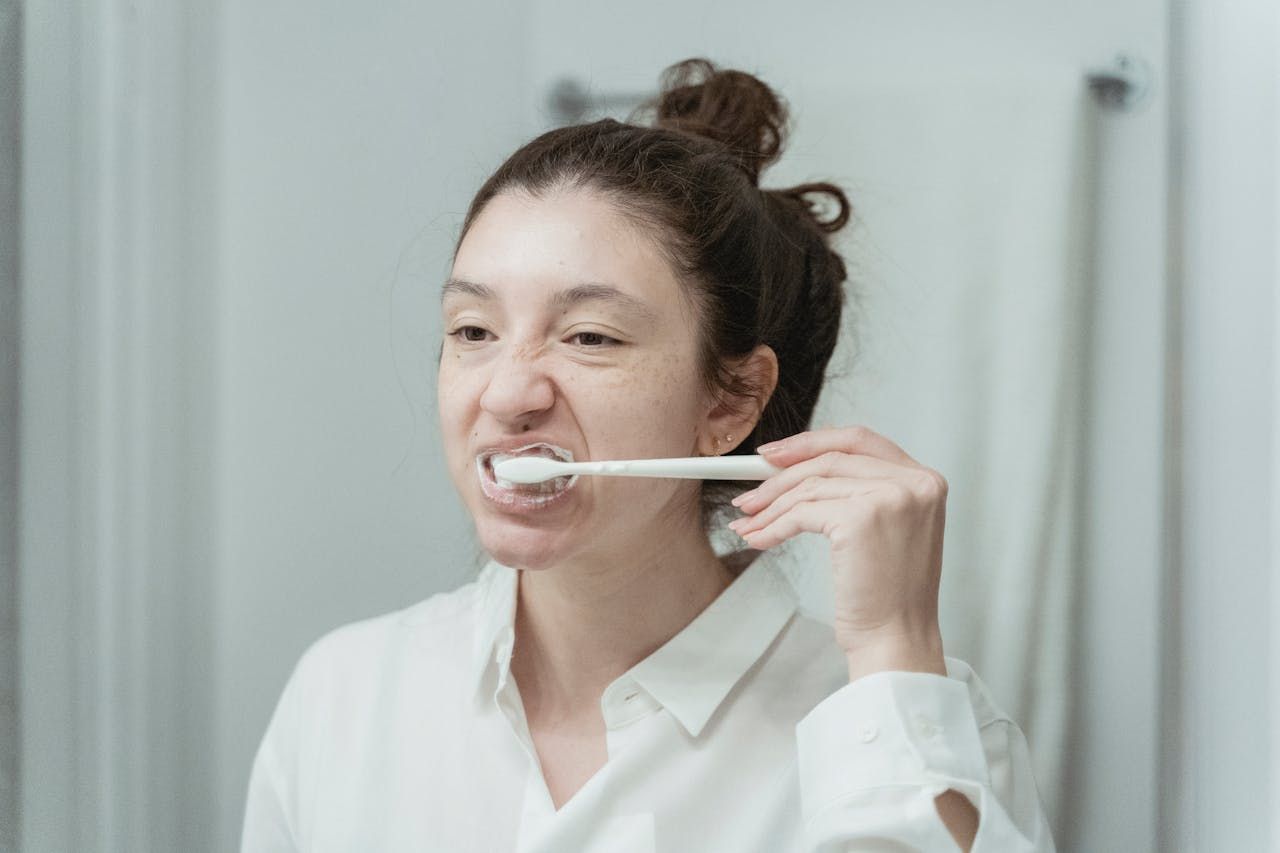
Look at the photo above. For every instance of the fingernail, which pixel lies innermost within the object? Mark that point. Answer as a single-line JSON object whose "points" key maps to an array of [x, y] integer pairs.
{"points": [[770, 447], [743, 498]]}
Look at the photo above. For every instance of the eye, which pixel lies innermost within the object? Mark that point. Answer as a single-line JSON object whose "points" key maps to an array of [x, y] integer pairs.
{"points": [[470, 334], [594, 340]]}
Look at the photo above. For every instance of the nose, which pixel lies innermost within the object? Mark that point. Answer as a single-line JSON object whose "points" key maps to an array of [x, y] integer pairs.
{"points": [[518, 388]]}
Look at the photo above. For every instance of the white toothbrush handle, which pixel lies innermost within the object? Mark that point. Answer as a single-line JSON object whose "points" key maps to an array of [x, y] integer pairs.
{"points": [[690, 468]]}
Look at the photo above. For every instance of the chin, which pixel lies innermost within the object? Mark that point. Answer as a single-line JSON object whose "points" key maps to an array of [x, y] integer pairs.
{"points": [[530, 532], [521, 547]]}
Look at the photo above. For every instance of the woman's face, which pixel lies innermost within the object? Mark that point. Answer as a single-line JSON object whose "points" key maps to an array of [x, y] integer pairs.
{"points": [[565, 327]]}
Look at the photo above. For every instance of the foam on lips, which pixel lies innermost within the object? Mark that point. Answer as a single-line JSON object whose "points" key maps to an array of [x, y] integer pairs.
{"points": [[504, 488]]}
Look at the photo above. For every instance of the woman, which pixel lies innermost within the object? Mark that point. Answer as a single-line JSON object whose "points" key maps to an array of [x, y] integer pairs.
{"points": [[611, 682]]}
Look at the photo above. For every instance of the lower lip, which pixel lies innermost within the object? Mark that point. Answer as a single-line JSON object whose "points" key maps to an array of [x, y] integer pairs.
{"points": [[518, 499]]}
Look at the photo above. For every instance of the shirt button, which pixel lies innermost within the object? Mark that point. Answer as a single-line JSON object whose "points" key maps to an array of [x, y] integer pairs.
{"points": [[868, 733]]}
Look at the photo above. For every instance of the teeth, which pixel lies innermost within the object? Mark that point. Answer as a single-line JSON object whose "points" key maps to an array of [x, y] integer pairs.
{"points": [[535, 450]]}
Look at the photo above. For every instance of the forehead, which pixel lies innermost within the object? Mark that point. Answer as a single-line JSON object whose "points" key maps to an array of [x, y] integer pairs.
{"points": [[521, 246]]}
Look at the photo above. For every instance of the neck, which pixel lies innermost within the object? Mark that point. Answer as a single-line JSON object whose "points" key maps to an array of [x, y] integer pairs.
{"points": [[581, 625]]}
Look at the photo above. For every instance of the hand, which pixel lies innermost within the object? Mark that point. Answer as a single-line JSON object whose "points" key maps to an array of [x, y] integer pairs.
{"points": [[884, 514]]}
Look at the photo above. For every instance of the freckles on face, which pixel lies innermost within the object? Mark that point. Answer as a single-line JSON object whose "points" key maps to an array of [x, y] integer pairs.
{"points": [[659, 405], [530, 280]]}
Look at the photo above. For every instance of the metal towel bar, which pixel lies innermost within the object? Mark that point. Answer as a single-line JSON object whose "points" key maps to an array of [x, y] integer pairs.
{"points": [[1124, 85]]}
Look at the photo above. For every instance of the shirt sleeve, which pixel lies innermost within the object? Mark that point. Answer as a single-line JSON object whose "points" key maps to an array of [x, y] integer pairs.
{"points": [[873, 756]]}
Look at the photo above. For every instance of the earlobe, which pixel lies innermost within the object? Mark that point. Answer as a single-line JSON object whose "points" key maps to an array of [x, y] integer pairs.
{"points": [[717, 450]]}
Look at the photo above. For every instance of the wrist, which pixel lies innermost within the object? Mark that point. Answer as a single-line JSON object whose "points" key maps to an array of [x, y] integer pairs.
{"points": [[901, 652]]}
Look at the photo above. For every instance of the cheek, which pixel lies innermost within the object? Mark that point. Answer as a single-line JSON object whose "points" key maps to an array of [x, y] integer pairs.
{"points": [[457, 397], [456, 383], [674, 383], [652, 408]]}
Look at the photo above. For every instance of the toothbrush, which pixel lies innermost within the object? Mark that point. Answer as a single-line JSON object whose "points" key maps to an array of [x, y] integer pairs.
{"points": [[535, 469]]}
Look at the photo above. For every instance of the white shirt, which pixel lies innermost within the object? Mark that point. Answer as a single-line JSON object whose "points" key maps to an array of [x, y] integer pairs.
{"points": [[405, 732]]}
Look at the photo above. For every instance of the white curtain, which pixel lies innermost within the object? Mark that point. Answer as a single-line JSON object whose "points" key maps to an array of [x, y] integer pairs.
{"points": [[966, 343]]}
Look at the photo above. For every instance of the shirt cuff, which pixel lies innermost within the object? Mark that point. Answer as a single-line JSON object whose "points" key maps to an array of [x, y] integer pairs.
{"points": [[889, 729]]}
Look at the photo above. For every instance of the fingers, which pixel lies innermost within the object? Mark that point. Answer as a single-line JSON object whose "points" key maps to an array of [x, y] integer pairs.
{"points": [[813, 488], [805, 516], [832, 464], [850, 439]]}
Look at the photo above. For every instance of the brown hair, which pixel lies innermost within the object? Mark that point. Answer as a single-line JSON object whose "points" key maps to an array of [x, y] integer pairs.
{"points": [[757, 262]]}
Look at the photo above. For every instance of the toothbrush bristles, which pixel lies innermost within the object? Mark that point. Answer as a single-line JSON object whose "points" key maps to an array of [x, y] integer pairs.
{"points": [[527, 469]]}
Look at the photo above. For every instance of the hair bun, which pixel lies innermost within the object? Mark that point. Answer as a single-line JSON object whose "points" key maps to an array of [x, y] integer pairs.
{"points": [[731, 107], [797, 196]]}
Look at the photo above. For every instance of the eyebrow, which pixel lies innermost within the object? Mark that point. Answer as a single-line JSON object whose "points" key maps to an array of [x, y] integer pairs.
{"points": [[586, 292]]}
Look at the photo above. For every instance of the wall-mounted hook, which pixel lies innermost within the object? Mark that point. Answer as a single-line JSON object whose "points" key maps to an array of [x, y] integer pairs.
{"points": [[1125, 85], [571, 102]]}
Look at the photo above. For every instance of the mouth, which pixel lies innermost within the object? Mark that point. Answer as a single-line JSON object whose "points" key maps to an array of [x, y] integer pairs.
{"points": [[523, 495]]}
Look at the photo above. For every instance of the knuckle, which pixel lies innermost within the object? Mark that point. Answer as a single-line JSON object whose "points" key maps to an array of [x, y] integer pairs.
{"points": [[843, 537], [807, 485], [859, 432], [935, 485]]}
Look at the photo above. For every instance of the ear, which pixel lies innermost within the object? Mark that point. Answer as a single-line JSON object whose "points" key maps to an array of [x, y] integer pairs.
{"points": [[737, 415]]}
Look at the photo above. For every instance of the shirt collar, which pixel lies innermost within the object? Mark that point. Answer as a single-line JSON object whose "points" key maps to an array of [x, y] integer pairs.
{"points": [[692, 673]]}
